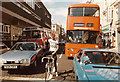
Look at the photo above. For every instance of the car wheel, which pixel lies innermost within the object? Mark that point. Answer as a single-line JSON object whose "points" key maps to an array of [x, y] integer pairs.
{"points": [[76, 78]]}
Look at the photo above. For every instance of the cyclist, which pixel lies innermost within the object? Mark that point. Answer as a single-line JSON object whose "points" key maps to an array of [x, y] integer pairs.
{"points": [[53, 48]]}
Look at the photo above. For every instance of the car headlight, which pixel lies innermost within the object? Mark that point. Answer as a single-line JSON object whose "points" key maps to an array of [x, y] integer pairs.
{"points": [[72, 49], [4, 61], [25, 61], [16, 61]]}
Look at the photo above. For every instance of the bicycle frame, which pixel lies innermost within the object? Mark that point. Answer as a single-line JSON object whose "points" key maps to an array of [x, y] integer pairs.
{"points": [[48, 67]]}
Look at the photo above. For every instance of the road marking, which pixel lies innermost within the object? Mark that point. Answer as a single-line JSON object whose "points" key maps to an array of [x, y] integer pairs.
{"points": [[60, 56]]}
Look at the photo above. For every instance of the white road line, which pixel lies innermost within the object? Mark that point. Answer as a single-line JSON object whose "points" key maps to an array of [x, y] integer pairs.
{"points": [[60, 56]]}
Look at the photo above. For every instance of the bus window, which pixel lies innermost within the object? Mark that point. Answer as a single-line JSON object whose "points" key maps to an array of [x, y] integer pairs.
{"points": [[84, 11], [27, 35], [76, 11], [84, 37], [36, 34], [91, 12], [31, 34]]}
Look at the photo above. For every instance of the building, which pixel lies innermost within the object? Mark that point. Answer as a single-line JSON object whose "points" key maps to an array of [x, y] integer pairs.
{"points": [[18, 14], [57, 29], [110, 21]]}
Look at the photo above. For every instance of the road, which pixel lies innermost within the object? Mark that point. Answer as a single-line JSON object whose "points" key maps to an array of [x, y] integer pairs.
{"points": [[65, 71]]}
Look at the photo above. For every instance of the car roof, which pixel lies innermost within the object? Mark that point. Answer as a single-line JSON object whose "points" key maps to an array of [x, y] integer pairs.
{"points": [[105, 50]]}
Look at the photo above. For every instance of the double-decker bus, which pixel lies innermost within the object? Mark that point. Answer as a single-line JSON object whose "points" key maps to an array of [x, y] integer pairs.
{"points": [[83, 27], [33, 34]]}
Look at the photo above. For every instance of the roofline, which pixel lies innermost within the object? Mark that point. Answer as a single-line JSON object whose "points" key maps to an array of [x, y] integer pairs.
{"points": [[84, 5]]}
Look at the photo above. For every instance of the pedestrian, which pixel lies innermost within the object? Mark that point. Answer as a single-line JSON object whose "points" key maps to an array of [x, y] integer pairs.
{"points": [[53, 44], [104, 42]]}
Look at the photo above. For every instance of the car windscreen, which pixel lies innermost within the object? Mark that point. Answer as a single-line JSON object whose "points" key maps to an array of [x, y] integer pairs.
{"points": [[101, 57], [23, 46], [83, 37]]}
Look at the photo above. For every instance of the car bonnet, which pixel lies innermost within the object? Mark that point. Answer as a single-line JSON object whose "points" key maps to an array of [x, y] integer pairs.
{"points": [[17, 55], [102, 72]]}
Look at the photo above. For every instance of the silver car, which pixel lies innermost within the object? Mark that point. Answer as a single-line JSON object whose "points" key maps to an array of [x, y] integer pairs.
{"points": [[21, 54]]}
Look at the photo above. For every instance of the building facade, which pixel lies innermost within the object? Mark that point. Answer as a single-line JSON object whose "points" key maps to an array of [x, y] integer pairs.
{"points": [[57, 29], [19, 14]]}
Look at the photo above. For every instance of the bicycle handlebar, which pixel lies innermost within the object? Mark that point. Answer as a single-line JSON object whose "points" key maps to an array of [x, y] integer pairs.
{"points": [[47, 58]]}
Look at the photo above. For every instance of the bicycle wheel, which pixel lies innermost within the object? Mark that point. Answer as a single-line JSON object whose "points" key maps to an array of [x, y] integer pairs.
{"points": [[47, 72]]}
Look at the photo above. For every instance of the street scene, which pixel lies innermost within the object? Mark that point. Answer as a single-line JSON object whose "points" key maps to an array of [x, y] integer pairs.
{"points": [[51, 40]]}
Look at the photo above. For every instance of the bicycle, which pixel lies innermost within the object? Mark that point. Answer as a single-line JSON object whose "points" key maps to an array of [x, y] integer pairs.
{"points": [[49, 67]]}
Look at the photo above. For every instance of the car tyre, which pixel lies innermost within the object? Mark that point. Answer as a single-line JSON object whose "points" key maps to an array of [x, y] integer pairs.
{"points": [[76, 78]]}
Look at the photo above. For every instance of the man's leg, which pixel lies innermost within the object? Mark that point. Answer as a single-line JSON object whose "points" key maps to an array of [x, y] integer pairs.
{"points": [[55, 63]]}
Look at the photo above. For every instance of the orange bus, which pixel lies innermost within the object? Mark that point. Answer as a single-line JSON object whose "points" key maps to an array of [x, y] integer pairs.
{"points": [[83, 27]]}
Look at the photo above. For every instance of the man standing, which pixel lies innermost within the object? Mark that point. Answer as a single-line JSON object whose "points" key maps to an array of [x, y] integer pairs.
{"points": [[53, 44]]}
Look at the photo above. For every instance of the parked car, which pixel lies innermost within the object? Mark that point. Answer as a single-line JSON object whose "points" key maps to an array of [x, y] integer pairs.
{"points": [[21, 54], [3, 48], [96, 64]]}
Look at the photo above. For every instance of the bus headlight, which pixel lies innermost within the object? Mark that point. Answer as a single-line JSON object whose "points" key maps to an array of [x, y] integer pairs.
{"points": [[71, 55], [90, 24], [72, 49], [96, 46]]}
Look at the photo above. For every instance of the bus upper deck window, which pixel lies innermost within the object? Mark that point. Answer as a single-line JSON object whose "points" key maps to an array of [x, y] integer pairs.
{"points": [[91, 12]]}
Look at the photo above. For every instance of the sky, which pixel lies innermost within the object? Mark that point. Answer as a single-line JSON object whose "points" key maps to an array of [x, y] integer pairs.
{"points": [[59, 8]]}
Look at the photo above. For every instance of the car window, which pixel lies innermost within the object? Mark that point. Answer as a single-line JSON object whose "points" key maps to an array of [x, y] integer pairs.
{"points": [[37, 45], [80, 54], [24, 46], [98, 57]]}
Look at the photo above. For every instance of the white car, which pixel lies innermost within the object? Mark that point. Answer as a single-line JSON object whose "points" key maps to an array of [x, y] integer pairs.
{"points": [[21, 54]]}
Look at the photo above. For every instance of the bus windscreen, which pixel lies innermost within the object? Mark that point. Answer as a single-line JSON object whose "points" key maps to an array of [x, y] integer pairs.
{"points": [[83, 37], [84, 11]]}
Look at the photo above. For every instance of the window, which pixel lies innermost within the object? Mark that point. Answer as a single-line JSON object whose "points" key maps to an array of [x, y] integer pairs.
{"points": [[31, 34], [84, 11], [101, 57], [83, 37], [23, 46], [80, 54]]}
